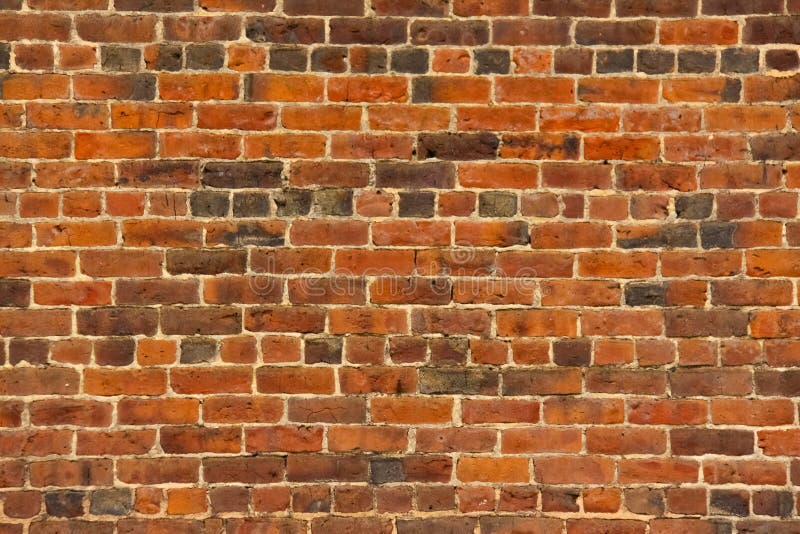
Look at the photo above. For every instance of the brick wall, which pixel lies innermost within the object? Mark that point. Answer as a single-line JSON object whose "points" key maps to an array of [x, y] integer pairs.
{"points": [[399, 266]]}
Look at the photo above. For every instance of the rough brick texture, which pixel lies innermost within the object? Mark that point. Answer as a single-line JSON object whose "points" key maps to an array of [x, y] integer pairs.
{"points": [[399, 266]]}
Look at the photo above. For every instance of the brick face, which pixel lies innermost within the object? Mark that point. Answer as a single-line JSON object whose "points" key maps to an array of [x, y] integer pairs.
{"points": [[399, 266]]}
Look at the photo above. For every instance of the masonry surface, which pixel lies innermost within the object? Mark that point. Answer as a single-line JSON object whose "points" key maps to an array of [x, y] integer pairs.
{"points": [[399, 266]]}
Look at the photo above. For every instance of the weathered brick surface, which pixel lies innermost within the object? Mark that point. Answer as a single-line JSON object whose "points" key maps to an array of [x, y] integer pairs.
{"points": [[399, 266]]}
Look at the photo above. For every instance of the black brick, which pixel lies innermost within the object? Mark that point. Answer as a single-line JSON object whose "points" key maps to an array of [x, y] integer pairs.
{"points": [[238, 175], [417, 204], [209, 203], [457, 146]]}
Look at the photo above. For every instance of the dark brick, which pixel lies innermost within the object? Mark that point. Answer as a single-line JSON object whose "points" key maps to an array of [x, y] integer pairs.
{"points": [[14, 293], [111, 501], [700, 441], [285, 30], [774, 503], [492, 61], [739, 60], [698, 206], [648, 501], [695, 62], [669, 235], [572, 352], [732, 91], [205, 56], [778, 383], [559, 500], [329, 59], [457, 146], [572, 8], [615, 33], [573, 60], [368, 60], [645, 295], [116, 58], [439, 175], [782, 59], [410, 60], [741, 7], [717, 234], [238, 175], [451, 350], [445, 381], [411, 8], [386, 470], [779, 147], [497, 204], [417, 204], [655, 61], [323, 350], [611, 61], [114, 351], [768, 30], [702, 323], [440, 525], [209, 203], [160, 6], [730, 502], [33, 351], [207, 261], [5, 55], [289, 58], [250, 204], [64, 503], [370, 31], [458, 33], [324, 7], [198, 350], [229, 499], [290, 202], [164, 57], [117, 321], [338, 202], [656, 8], [205, 321], [250, 233]]}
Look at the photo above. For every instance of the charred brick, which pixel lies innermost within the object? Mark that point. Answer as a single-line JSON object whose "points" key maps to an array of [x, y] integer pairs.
{"points": [[329, 59], [696, 62], [645, 295], [439, 175], [122, 59], [111, 501], [238, 175], [492, 61], [740, 60], [285, 30], [655, 61], [457, 146], [447, 381], [337, 202], [323, 350], [288, 58], [14, 293], [698, 206], [250, 204], [497, 204], [612, 61], [114, 351], [417, 204], [410, 60], [291, 202], [198, 350], [205, 56], [572, 352], [209, 203], [64, 503], [717, 234]]}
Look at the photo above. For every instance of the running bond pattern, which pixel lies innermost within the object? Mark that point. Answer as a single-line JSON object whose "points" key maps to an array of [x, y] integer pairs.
{"points": [[399, 266]]}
